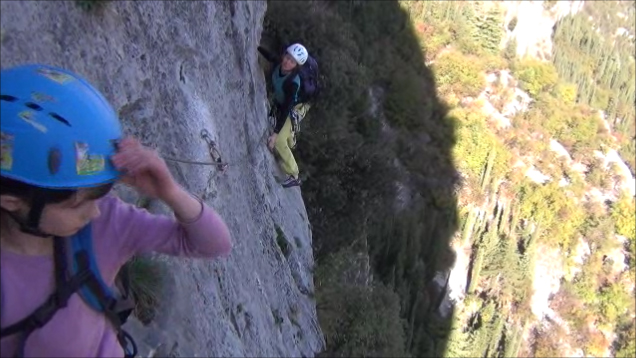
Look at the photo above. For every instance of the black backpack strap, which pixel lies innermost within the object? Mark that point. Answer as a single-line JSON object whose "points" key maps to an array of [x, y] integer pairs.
{"points": [[126, 303], [57, 300], [292, 76]]}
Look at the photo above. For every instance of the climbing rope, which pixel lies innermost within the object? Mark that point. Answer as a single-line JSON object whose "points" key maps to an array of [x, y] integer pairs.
{"points": [[213, 151], [170, 159]]}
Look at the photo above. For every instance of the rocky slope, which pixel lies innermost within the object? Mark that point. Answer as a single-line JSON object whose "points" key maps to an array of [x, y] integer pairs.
{"points": [[550, 270], [534, 24], [172, 69]]}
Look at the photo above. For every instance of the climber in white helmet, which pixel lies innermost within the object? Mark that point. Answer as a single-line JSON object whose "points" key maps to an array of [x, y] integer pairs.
{"points": [[286, 88], [298, 52]]}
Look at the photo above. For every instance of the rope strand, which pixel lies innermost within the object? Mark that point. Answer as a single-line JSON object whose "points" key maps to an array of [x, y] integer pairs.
{"points": [[211, 148], [192, 161]]}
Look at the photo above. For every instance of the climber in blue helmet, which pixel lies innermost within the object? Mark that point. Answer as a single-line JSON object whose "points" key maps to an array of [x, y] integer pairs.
{"points": [[61, 152]]}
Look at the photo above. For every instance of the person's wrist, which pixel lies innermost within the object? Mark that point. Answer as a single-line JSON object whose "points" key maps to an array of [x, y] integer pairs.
{"points": [[187, 207], [173, 194]]}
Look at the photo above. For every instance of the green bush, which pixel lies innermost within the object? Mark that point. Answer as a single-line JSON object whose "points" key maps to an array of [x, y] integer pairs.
{"points": [[624, 215], [458, 73], [550, 207], [475, 141], [614, 302], [598, 176], [436, 39], [146, 284], [575, 126], [565, 92], [535, 76]]}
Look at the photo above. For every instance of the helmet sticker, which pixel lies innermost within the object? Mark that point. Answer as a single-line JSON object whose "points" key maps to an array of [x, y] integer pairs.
{"points": [[27, 116], [6, 151], [87, 164], [41, 97], [59, 77]]}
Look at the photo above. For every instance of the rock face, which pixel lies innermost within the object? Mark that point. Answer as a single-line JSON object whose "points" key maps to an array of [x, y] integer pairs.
{"points": [[535, 23], [172, 69]]}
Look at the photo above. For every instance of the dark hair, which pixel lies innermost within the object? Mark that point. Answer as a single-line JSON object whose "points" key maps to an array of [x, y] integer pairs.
{"points": [[38, 198], [29, 192]]}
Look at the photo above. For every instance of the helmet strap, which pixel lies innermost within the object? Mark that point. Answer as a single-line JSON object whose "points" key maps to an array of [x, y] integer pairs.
{"points": [[31, 226]]}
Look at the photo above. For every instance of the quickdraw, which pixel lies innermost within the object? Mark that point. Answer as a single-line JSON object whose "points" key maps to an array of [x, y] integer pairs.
{"points": [[214, 152]]}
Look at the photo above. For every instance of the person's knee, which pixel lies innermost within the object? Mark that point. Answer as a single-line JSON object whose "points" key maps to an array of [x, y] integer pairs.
{"points": [[281, 142]]}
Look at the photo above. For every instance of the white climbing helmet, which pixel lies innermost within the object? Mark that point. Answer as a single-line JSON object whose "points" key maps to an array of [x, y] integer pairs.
{"points": [[299, 53]]}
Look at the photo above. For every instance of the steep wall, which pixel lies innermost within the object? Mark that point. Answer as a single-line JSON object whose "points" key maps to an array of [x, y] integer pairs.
{"points": [[172, 69]]}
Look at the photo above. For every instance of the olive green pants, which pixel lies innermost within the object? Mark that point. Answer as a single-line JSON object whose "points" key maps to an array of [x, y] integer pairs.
{"points": [[286, 140]]}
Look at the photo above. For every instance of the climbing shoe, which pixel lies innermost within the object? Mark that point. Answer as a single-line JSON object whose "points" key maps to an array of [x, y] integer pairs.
{"points": [[290, 182]]}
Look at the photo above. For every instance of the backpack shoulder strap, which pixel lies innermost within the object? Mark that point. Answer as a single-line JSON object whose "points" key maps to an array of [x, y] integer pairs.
{"points": [[100, 296], [57, 300], [82, 254], [86, 279], [293, 76]]}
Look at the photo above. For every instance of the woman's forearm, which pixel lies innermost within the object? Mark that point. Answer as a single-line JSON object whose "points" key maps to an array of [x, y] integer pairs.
{"points": [[185, 206]]}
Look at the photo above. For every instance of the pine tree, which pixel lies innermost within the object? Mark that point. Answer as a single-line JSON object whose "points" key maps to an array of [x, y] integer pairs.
{"points": [[510, 51], [498, 327], [485, 180], [610, 111], [512, 341], [476, 269], [469, 226], [458, 341], [482, 335]]}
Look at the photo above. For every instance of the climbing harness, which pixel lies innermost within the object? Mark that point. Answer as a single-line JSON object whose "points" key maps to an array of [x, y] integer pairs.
{"points": [[295, 120], [272, 114]]}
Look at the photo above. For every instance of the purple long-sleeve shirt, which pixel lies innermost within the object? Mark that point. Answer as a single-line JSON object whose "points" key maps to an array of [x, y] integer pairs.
{"points": [[121, 231]]}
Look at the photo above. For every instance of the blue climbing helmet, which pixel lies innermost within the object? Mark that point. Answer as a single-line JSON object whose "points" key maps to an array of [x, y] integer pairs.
{"points": [[58, 131]]}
